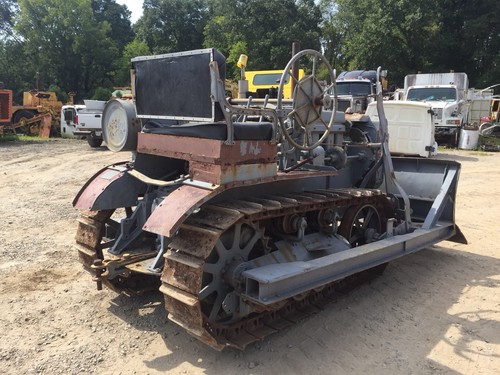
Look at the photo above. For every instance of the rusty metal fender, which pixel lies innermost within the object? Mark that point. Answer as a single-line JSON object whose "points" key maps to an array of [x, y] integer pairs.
{"points": [[176, 207], [111, 187]]}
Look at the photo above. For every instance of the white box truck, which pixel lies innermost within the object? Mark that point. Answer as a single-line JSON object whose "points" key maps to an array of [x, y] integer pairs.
{"points": [[447, 95]]}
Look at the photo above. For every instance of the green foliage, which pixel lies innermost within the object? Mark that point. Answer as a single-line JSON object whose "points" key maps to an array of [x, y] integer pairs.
{"points": [[102, 93], [262, 29], [10, 137], [7, 10], [61, 95], [133, 49], [332, 34], [15, 72], [69, 43], [388, 34], [172, 25], [469, 40], [406, 36], [118, 17], [82, 45]]}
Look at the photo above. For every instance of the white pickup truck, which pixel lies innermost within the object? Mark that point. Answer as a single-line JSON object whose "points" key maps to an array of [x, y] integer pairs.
{"points": [[83, 121], [90, 122], [69, 119]]}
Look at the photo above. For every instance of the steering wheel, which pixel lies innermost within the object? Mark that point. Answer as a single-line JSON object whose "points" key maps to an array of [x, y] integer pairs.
{"points": [[309, 97]]}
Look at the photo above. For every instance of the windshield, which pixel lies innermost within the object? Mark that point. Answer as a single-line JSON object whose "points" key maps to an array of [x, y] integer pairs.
{"points": [[353, 88], [268, 79], [441, 94]]}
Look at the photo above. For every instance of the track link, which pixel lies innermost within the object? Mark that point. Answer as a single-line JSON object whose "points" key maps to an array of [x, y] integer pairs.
{"points": [[182, 278], [90, 243], [89, 235], [188, 252]]}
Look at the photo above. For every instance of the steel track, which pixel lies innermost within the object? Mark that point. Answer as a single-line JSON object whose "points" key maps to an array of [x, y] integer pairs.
{"points": [[182, 279]]}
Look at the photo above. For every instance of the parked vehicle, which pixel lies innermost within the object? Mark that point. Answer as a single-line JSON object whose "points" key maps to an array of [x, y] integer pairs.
{"points": [[356, 89], [266, 82], [247, 217], [89, 123], [480, 101], [38, 115], [447, 94], [69, 119], [495, 110]]}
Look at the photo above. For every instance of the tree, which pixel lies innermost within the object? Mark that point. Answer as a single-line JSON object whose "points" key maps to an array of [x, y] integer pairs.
{"points": [[332, 34], [395, 34], [262, 29], [15, 71], [131, 50], [419, 35], [66, 44], [101, 93], [61, 95], [118, 17], [469, 40], [172, 25], [7, 10]]}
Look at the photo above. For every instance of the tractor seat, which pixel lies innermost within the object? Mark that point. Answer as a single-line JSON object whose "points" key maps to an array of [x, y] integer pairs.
{"points": [[248, 131]]}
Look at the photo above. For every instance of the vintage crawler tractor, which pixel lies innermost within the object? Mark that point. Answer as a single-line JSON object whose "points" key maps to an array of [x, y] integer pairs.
{"points": [[247, 216]]}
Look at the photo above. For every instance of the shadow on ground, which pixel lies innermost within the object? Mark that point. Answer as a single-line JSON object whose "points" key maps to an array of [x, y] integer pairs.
{"points": [[413, 292]]}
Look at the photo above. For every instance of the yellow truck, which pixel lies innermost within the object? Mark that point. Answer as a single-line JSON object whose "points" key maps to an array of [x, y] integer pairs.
{"points": [[264, 82]]}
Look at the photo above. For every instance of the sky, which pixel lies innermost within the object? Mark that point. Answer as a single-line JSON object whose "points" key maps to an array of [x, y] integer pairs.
{"points": [[135, 6]]}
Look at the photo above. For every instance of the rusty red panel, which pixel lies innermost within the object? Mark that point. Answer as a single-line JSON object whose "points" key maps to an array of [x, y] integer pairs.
{"points": [[5, 106], [248, 152], [89, 193], [45, 125], [207, 150], [178, 147], [176, 207], [223, 174]]}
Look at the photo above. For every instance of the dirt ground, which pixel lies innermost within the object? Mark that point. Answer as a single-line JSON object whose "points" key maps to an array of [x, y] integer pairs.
{"points": [[434, 312]]}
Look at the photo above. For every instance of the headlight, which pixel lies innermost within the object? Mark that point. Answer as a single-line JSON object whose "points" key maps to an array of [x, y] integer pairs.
{"points": [[451, 110]]}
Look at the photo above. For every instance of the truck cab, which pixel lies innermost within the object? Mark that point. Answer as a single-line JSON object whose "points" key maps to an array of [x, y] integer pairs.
{"points": [[266, 82], [447, 94], [69, 119], [355, 90], [90, 122]]}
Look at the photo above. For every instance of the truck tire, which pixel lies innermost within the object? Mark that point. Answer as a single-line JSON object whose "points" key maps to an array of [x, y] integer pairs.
{"points": [[94, 141]]}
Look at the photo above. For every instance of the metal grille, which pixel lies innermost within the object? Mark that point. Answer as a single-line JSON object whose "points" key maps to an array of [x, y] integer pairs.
{"points": [[438, 112], [343, 104]]}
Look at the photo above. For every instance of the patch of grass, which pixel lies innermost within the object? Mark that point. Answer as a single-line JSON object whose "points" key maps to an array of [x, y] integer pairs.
{"points": [[476, 151], [25, 138], [30, 138], [8, 138], [482, 153]]}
